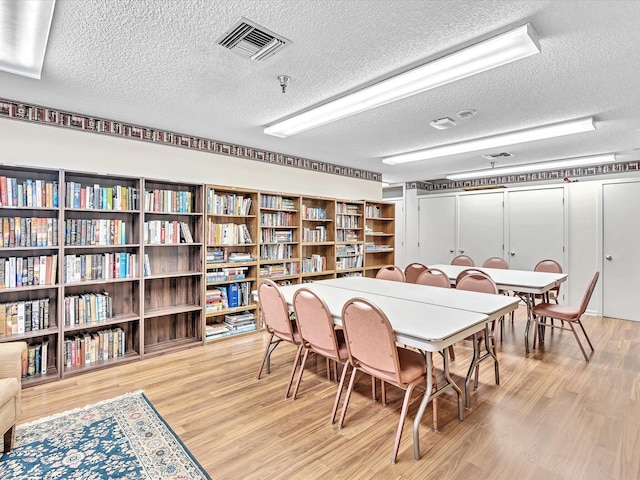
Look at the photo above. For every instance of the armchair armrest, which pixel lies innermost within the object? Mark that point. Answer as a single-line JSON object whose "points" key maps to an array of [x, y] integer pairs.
{"points": [[11, 354]]}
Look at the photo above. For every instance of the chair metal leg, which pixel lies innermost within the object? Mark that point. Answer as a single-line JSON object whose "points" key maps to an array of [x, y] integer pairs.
{"points": [[296, 361], [403, 414], [579, 322], [304, 361], [271, 346], [383, 393], [345, 404], [575, 334], [339, 393]]}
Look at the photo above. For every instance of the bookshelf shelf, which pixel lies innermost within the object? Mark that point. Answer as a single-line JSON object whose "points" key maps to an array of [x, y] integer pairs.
{"points": [[126, 358], [379, 236], [52, 375]]}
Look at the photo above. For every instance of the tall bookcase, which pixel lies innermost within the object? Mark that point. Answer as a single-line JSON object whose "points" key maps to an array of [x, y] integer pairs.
{"points": [[231, 261], [173, 231], [349, 238], [30, 293], [379, 236], [317, 238], [101, 251], [279, 237]]}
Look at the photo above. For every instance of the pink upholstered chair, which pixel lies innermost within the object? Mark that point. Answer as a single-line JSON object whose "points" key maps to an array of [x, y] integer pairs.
{"points": [[372, 349], [391, 272], [477, 281], [434, 278], [413, 271], [275, 314], [496, 262], [463, 260], [319, 335], [571, 315], [551, 266]]}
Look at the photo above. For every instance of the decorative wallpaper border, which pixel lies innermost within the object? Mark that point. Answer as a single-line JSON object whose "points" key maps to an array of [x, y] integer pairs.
{"points": [[50, 116], [566, 175]]}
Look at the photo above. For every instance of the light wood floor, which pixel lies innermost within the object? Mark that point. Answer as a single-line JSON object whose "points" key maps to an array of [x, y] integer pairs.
{"points": [[553, 416]]}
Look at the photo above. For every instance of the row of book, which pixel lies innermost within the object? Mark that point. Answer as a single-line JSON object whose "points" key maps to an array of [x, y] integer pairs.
{"points": [[226, 274], [87, 308], [347, 221], [279, 270], [100, 266], [347, 236], [348, 208], [373, 211], [271, 235], [18, 272], [228, 233], [167, 232], [348, 250], [35, 359], [91, 348], [233, 324], [277, 202], [280, 251], [232, 295], [168, 201], [28, 232], [370, 247], [345, 263], [24, 316], [315, 263], [277, 219], [97, 197], [227, 204], [81, 232], [313, 213], [314, 235], [18, 192]]}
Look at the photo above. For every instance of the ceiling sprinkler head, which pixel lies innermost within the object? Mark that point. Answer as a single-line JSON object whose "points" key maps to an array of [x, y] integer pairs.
{"points": [[284, 82]]}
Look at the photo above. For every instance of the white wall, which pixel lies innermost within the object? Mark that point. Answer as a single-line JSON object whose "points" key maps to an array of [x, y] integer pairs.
{"points": [[54, 147]]}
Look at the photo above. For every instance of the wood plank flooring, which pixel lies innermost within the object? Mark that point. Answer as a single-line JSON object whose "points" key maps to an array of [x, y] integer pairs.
{"points": [[553, 416]]}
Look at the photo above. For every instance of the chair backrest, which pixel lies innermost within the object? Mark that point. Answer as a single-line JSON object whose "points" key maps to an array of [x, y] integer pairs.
{"points": [[548, 265], [370, 339], [476, 281], [275, 311], [434, 278], [391, 272], [588, 293], [496, 262], [413, 271], [315, 323], [463, 260]]}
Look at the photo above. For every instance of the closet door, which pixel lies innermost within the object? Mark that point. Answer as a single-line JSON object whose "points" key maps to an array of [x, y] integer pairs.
{"points": [[481, 226], [536, 227], [621, 262], [437, 229]]}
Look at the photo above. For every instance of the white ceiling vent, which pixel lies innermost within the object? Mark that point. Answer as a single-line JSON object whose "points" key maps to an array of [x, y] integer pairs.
{"points": [[251, 40], [496, 156]]}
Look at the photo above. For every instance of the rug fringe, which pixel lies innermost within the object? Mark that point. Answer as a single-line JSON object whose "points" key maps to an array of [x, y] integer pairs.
{"points": [[79, 409]]}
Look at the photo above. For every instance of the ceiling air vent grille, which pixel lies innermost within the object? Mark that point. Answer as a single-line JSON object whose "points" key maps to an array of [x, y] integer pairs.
{"points": [[252, 41], [496, 156]]}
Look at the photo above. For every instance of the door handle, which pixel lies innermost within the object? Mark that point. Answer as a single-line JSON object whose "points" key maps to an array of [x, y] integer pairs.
{"points": [[461, 250], [609, 257], [512, 253], [451, 250]]}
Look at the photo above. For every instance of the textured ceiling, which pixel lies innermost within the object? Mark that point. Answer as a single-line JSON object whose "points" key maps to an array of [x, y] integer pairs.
{"points": [[156, 63]]}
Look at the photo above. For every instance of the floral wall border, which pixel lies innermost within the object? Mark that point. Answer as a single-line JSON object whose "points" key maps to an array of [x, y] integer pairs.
{"points": [[564, 175], [54, 117]]}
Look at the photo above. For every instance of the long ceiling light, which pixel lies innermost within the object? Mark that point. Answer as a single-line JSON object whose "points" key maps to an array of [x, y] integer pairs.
{"points": [[509, 138], [24, 32], [508, 47], [535, 167]]}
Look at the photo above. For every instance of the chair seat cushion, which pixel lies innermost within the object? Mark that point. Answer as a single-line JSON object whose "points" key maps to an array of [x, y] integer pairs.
{"points": [[562, 312], [9, 388], [412, 364]]}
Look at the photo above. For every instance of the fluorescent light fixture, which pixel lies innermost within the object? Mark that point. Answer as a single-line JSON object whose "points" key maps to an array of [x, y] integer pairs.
{"points": [[24, 32], [509, 138], [508, 47], [536, 167]]}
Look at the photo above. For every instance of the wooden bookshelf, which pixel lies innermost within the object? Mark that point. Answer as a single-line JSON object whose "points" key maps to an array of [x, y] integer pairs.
{"points": [[279, 237], [379, 236], [317, 238], [349, 238], [101, 256], [172, 266], [30, 212], [231, 261]]}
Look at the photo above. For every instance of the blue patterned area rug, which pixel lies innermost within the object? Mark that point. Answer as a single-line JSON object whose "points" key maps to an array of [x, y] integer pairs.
{"points": [[120, 438]]}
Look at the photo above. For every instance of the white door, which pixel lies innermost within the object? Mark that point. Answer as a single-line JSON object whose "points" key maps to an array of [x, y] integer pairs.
{"points": [[536, 227], [436, 229], [481, 226], [621, 262], [399, 248]]}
